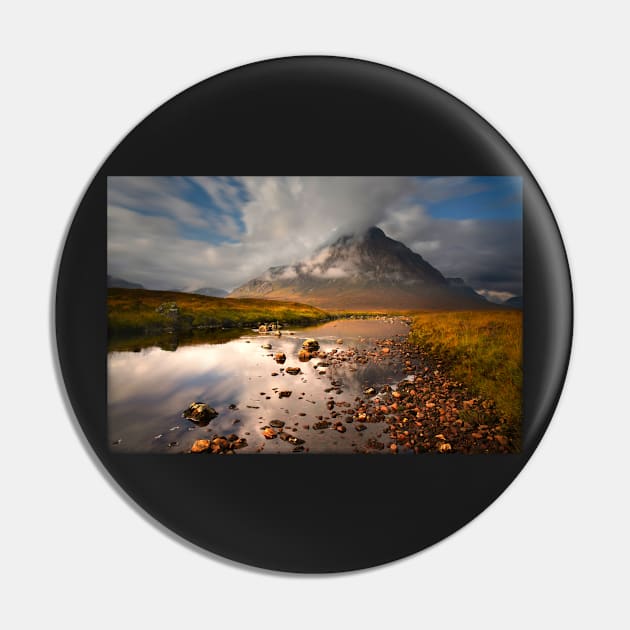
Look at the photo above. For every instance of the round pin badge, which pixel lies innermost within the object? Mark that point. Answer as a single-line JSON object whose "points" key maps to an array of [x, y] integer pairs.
{"points": [[313, 314]]}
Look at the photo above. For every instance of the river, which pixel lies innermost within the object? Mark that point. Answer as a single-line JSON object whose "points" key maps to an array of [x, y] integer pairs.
{"points": [[149, 387]]}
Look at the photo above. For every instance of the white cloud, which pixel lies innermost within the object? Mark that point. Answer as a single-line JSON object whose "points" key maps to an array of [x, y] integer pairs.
{"points": [[496, 296], [272, 221]]}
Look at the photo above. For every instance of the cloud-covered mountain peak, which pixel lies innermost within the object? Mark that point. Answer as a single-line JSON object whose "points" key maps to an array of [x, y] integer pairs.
{"points": [[367, 268]]}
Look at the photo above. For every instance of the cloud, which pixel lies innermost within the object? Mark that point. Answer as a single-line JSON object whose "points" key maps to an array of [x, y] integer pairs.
{"points": [[187, 232], [487, 254], [496, 296]]}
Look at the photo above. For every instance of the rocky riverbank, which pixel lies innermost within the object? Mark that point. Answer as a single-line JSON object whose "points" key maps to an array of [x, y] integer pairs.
{"points": [[424, 410]]}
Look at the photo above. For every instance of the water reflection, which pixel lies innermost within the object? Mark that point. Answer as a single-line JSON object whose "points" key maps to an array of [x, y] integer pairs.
{"points": [[152, 380], [171, 341]]}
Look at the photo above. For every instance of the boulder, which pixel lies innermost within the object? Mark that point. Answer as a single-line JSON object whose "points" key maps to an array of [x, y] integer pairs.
{"points": [[199, 412], [280, 357], [200, 446], [293, 370], [304, 355], [310, 344]]}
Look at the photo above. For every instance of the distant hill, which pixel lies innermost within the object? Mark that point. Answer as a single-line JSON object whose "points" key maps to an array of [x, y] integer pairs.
{"points": [[119, 283], [514, 302], [367, 271], [210, 292]]}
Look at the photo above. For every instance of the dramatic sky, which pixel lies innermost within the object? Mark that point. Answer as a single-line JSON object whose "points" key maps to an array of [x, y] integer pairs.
{"points": [[191, 232]]}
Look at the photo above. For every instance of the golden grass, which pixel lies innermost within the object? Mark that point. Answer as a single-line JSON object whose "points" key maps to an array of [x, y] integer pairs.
{"points": [[135, 310], [483, 349]]}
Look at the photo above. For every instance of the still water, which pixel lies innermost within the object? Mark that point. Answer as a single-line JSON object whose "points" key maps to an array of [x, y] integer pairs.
{"points": [[149, 387]]}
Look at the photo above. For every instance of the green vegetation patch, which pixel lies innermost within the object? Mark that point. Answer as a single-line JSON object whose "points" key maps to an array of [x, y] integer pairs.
{"points": [[142, 311]]}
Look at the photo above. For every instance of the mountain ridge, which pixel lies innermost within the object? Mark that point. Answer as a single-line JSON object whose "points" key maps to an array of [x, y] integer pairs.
{"points": [[113, 282], [363, 271]]}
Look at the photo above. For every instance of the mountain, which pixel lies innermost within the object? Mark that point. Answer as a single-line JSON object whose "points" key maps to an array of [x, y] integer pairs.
{"points": [[119, 283], [514, 302], [211, 292], [367, 271]]}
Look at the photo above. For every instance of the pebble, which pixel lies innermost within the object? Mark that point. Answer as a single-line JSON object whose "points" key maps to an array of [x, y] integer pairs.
{"points": [[200, 446]]}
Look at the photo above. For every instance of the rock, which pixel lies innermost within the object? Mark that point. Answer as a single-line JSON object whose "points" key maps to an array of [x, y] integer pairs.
{"points": [[295, 440], [393, 447], [276, 424], [293, 370], [266, 346], [298, 449], [375, 444], [322, 424], [385, 350], [370, 391], [340, 428], [200, 446], [339, 341], [501, 439], [280, 357], [200, 412], [285, 393], [232, 437], [445, 447], [330, 404], [262, 329], [269, 433], [310, 344], [360, 427], [304, 355], [240, 443]]}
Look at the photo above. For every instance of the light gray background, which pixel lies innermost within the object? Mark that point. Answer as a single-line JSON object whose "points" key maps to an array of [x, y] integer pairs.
{"points": [[552, 77]]}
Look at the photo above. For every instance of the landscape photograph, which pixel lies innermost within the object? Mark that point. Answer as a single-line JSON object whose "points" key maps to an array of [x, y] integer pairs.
{"points": [[303, 315]]}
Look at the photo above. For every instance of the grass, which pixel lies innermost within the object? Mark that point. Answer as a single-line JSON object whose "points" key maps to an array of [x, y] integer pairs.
{"points": [[483, 350], [142, 311]]}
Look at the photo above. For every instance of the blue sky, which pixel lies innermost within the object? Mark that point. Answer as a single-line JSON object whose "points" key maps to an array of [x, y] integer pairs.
{"points": [[188, 232], [490, 198]]}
